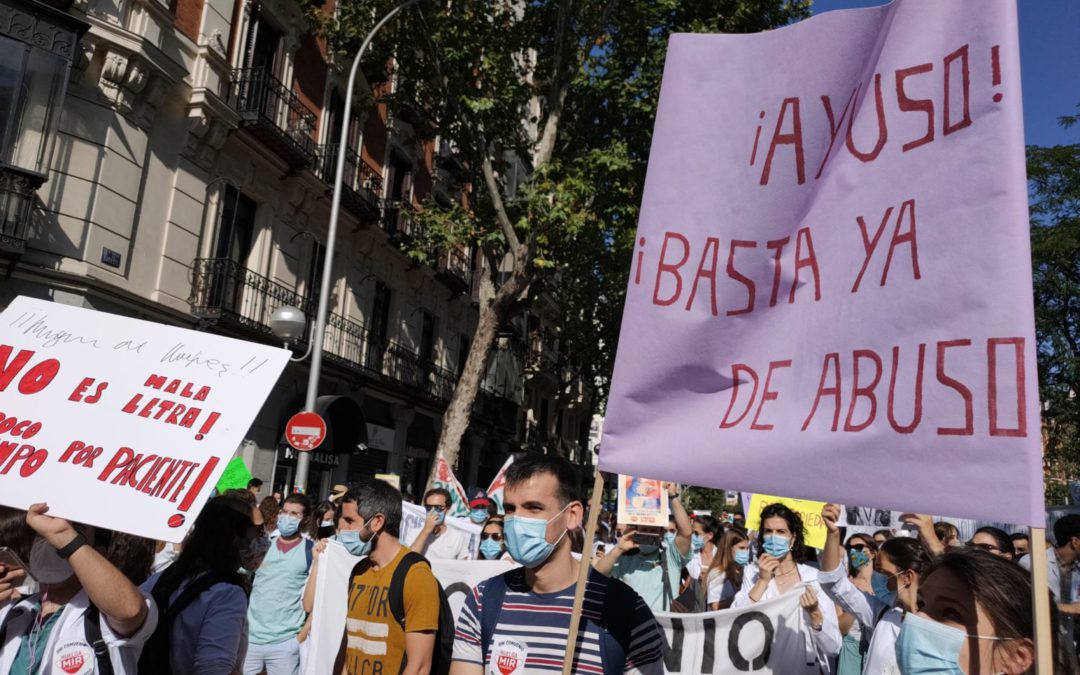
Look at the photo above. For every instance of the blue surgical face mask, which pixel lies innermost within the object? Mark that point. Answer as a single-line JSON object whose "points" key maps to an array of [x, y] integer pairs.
{"points": [[669, 539], [880, 583], [697, 543], [526, 539], [742, 557], [776, 545], [926, 646], [478, 515], [287, 525], [354, 544], [490, 549], [859, 559]]}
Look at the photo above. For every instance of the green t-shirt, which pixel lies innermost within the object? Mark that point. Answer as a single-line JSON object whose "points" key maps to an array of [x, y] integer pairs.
{"points": [[32, 647], [644, 574]]}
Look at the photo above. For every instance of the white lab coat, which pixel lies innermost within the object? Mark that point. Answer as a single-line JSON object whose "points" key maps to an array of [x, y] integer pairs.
{"points": [[821, 646], [67, 642], [878, 620]]}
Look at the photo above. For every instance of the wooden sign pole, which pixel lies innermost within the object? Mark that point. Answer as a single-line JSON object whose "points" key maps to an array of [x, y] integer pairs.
{"points": [[583, 571], [1044, 639]]}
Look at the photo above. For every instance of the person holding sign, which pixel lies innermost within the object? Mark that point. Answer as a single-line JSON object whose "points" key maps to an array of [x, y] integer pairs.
{"points": [[84, 602], [647, 567], [777, 571], [517, 622]]}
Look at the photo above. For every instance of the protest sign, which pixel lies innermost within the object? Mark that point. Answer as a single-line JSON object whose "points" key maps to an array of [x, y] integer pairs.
{"points": [[391, 478], [445, 478], [810, 511], [331, 607], [642, 501], [235, 476], [412, 521], [830, 293], [121, 423], [495, 490], [331, 599], [765, 638]]}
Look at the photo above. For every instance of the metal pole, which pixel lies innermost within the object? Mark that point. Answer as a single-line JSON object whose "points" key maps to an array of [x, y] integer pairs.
{"points": [[303, 459]]}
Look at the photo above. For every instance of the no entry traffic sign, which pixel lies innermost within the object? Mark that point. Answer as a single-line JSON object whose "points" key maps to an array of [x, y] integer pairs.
{"points": [[305, 431]]}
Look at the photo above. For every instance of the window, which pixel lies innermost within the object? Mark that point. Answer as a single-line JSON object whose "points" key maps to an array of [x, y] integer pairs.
{"points": [[313, 286], [427, 337], [380, 320], [236, 227], [262, 48]]}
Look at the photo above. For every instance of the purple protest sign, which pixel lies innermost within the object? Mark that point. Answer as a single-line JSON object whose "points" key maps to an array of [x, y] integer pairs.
{"points": [[830, 296]]}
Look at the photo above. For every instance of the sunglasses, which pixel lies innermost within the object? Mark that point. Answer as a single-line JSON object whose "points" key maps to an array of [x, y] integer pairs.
{"points": [[434, 507], [990, 548], [495, 536], [856, 547]]}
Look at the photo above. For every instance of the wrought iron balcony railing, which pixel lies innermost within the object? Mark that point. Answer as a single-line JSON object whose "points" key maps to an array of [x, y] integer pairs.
{"points": [[223, 290], [399, 221], [17, 194], [363, 184], [274, 114]]}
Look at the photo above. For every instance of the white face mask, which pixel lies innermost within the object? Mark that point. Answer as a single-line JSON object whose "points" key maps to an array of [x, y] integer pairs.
{"points": [[46, 564]]}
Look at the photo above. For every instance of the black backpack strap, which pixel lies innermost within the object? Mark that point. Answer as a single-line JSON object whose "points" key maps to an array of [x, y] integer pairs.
{"points": [[490, 607], [668, 594], [397, 584], [620, 602], [92, 630]]}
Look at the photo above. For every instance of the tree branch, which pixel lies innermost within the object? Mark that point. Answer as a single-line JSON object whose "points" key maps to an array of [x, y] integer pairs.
{"points": [[497, 203], [560, 83]]}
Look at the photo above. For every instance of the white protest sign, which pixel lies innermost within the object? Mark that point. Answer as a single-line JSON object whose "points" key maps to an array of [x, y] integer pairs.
{"points": [[121, 423], [412, 521], [764, 638], [642, 501], [332, 597]]}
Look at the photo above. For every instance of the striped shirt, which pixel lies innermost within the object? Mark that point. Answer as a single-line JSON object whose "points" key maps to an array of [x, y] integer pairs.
{"points": [[531, 633]]}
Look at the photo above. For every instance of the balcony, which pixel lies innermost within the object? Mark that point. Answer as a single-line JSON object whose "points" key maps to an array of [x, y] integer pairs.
{"points": [[17, 194], [455, 269], [271, 112], [362, 183], [226, 293], [400, 223], [543, 350]]}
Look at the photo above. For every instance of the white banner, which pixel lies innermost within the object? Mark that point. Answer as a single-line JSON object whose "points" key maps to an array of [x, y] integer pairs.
{"points": [[412, 521], [122, 423], [765, 638]]}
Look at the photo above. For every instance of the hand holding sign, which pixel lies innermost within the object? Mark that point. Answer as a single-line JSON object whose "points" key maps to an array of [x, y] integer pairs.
{"points": [[830, 515], [57, 531]]}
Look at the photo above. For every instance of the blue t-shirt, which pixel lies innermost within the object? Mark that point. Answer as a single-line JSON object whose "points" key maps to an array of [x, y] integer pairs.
{"points": [[645, 574], [276, 611], [531, 632], [209, 636]]}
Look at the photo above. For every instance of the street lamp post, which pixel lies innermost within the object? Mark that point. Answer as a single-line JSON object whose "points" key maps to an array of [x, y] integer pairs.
{"points": [[303, 460]]}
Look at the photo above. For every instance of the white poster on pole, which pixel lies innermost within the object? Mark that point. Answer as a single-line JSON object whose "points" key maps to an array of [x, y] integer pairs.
{"points": [[412, 521], [121, 423]]}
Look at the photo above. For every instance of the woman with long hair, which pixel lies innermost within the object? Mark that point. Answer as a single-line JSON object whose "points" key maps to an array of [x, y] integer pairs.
{"points": [[975, 618], [725, 574], [779, 570], [202, 597], [898, 564]]}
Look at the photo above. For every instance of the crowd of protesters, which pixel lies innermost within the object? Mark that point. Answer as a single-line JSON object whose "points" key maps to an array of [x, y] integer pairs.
{"points": [[238, 596]]}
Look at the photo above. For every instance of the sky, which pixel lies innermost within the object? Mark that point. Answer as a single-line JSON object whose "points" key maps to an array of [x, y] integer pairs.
{"points": [[1049, 63]]}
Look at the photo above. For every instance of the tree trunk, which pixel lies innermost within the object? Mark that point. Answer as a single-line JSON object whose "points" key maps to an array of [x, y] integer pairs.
{"points": [[458, 413]]}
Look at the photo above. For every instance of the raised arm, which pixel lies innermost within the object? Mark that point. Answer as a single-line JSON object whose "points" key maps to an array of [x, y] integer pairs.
{"points": [[833, 555], [683, 527], [606, 565], [420, 544], [926, 531], [119, 601]]}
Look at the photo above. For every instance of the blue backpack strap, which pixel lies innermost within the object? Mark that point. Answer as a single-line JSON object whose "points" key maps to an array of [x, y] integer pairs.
{"points": [[620, 602], [309, 552], [490, 607]]}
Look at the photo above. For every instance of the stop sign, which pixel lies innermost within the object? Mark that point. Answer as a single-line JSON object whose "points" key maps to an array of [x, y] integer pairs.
{"points": [[305, 431]]}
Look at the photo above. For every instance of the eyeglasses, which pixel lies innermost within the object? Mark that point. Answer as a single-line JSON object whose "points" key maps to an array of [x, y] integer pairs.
{"points": [[434, 507], [495, 536]]}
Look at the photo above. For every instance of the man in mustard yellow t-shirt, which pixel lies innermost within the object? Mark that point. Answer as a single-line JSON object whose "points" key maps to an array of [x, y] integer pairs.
{"points": [[374, 642]]}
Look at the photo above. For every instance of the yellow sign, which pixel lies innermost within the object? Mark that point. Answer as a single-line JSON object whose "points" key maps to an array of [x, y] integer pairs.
{"points": [[392, 478], [810, 511]]}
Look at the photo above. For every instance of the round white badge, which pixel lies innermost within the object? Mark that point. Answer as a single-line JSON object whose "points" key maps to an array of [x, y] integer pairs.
{"points": [[74, 658], [508, 657]]}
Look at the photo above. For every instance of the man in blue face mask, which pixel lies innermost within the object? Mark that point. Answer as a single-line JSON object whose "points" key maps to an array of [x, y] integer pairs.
{"points": [[276, 617], [518, 621], [650, 568]]}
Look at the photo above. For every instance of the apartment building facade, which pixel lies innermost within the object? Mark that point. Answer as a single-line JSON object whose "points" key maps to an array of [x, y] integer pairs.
{"points": [[172, 160]]}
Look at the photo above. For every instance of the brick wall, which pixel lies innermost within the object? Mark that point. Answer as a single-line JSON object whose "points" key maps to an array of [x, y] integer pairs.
{"points": [[189, 17]]}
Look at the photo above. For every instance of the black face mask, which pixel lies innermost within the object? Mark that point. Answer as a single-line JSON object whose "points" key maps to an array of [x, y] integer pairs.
{"points": [[325, 531]]}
